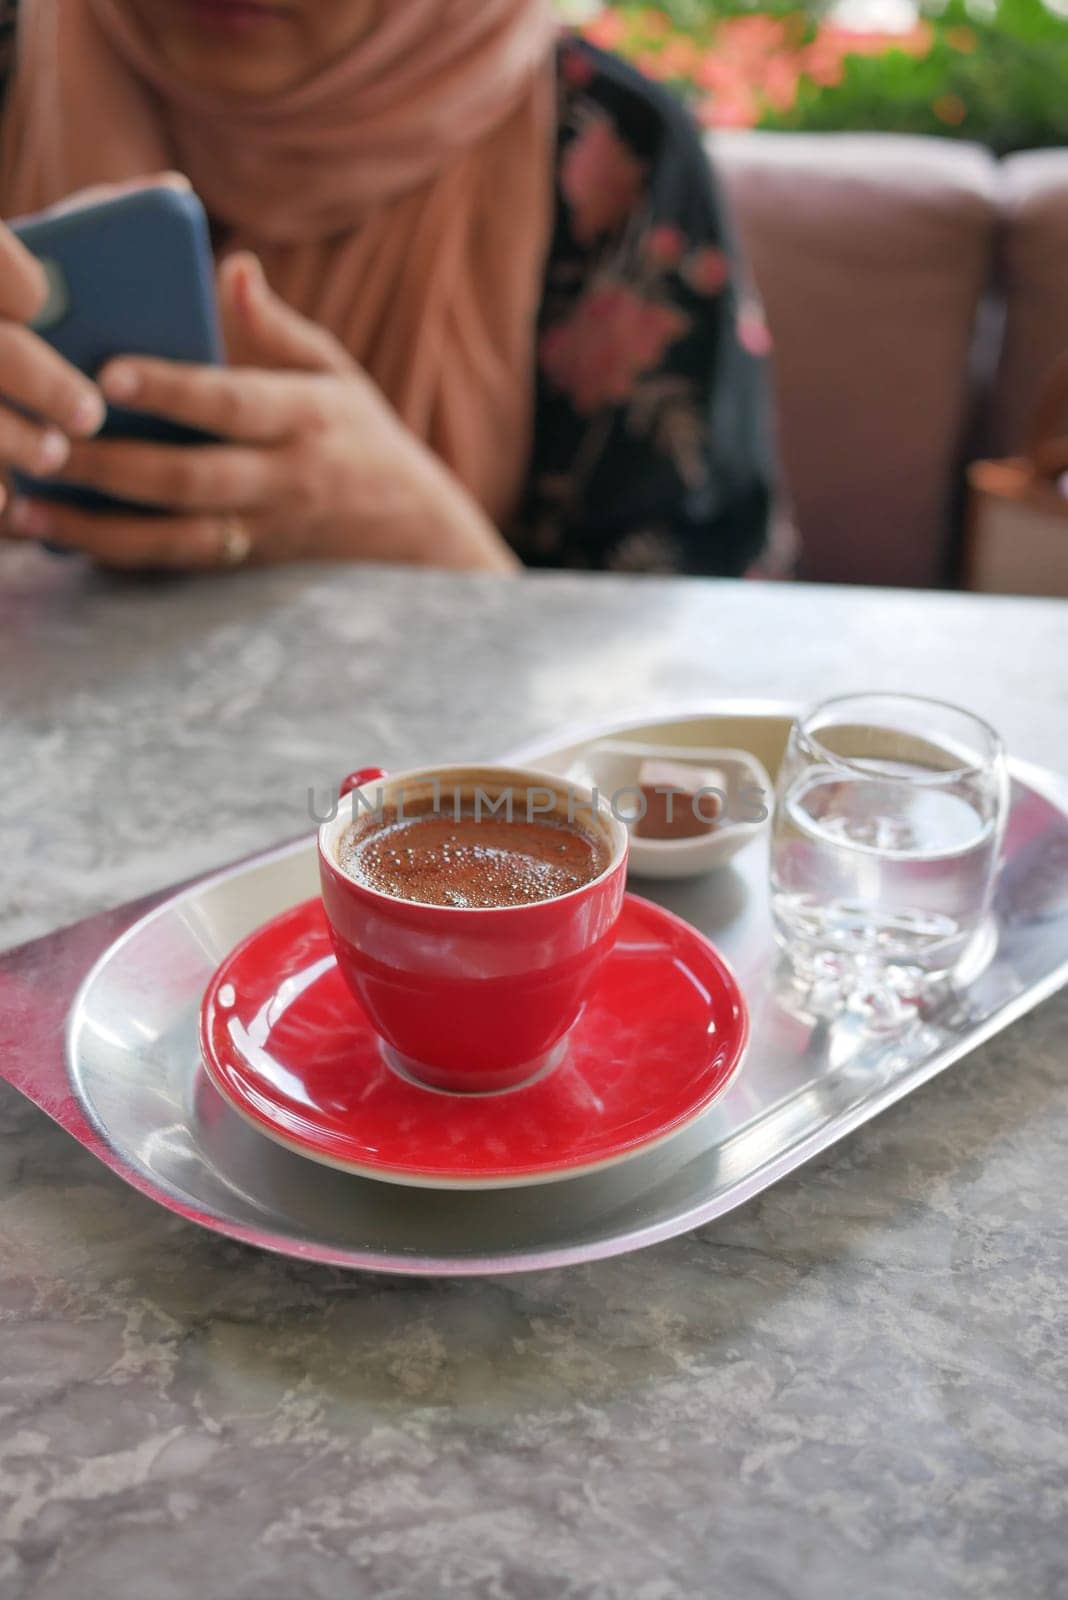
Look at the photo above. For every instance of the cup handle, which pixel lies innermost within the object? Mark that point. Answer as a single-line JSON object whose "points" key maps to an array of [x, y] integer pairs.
{"points": [[356, 780]]}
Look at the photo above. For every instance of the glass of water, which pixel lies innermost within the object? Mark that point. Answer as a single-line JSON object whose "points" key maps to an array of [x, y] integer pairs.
{"points": [[889, 816]]}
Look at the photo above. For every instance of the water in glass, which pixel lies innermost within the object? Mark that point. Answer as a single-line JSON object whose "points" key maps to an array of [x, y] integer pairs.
{"points": [[885, 844]]}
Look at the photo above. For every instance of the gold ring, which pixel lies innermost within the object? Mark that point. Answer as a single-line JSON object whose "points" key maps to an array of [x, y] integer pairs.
{"points": [[235, 541]]}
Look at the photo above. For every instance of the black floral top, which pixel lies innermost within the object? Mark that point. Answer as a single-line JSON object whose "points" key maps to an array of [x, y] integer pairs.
{"points": [[652, 444], [651, 439]]}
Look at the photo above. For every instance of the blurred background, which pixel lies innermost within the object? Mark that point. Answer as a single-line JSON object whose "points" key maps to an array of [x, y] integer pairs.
{"points": [[898, 179], [994, 71]]}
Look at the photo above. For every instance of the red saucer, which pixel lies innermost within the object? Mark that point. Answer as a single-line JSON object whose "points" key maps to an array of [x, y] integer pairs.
{"points": [[288, 1046]]}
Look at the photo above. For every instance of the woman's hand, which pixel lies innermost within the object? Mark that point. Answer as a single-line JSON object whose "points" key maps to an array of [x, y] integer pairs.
{"points": [[66, 405], [312, 461], [32, 375]]}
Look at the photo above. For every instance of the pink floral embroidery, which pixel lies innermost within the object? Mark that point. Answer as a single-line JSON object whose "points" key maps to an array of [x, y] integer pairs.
{"points": [[667, 410], [664, 244], [600, 179], [646, 550], [707, 270], [576, 69], [753, 332], [597, 353]]}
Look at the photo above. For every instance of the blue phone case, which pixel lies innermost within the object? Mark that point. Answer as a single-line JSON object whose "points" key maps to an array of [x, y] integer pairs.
{"points": [[129, 276]]}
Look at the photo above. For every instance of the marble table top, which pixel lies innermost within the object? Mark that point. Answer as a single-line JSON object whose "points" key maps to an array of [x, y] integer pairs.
{"points": [[856, 1385]]}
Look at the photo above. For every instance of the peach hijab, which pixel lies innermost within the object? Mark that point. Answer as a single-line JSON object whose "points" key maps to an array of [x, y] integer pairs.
{"points": [[402, 197]]}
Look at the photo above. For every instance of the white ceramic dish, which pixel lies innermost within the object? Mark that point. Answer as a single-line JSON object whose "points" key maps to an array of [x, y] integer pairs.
{"points": [[613, 766]]}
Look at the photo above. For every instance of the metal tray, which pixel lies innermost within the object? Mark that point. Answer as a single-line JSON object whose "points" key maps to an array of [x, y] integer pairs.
{"points": [[98, 1028]]}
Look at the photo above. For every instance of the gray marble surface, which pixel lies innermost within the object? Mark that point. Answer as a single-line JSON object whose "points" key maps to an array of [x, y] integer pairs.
{"points": [[856, 1385]]}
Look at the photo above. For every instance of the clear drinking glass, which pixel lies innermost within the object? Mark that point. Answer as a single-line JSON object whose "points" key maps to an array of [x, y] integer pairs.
{"points": [[889, 816]]}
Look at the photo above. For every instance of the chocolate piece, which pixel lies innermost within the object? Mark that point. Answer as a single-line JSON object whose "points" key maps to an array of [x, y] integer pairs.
{"points": [[676, 806]]}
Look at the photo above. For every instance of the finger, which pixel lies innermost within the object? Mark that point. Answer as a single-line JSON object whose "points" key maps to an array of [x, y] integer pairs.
{"points": [[255, 407], [186, 477], [37, 377], [29, 448], [23, 285], [261, 330], [131, 542]]}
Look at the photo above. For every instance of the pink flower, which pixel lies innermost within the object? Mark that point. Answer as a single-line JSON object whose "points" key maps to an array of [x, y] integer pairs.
{"points": [[601, 180], [916, 41], [707, 270], [822, 60], [606, 29], [717, 73], [781, 78], [752, 33], [651, 64], [735, 110], [752, 330], [598, 352], [664, 244], [680, 58]]}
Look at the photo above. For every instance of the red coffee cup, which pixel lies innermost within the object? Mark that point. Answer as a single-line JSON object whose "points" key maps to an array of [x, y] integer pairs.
{"points": [[469, 998]]}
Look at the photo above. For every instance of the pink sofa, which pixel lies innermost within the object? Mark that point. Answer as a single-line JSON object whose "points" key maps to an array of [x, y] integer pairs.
{"points": [[916, 293]]}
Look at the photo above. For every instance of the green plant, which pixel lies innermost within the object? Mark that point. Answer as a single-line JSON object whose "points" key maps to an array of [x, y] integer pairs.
{"points": [[1001, 80], [995, 71]]}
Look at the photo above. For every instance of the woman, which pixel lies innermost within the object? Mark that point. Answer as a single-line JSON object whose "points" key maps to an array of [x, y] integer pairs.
{"points": [[474, 280]]}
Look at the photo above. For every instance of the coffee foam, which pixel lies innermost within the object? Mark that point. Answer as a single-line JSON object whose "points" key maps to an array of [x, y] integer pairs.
{"points": [[407, 842]]}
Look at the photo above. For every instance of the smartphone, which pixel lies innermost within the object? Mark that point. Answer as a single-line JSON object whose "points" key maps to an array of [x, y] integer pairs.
{"points": [[133, 275]]}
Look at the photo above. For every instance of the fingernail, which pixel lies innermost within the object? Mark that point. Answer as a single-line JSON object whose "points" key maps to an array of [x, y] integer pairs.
{"points": [[120, 382], [52, 450], [31, 518], [88, 414]]}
